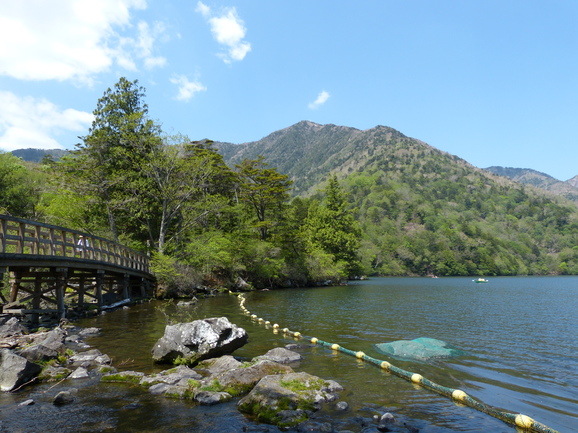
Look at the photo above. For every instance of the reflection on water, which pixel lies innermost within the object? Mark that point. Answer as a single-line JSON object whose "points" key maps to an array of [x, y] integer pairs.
{"points": [[519, 336]]}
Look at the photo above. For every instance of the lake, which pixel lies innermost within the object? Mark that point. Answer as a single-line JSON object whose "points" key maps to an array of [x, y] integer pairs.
{"points": [[518, 336]]}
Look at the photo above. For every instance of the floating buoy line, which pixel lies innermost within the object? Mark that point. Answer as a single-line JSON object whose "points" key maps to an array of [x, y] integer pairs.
{"points": [[457, 395]]}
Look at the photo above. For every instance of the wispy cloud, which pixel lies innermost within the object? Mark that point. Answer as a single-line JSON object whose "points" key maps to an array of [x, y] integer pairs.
{"points": [[321, 99], [229, 30], [75, 40], [187, 89], [31, 123]]}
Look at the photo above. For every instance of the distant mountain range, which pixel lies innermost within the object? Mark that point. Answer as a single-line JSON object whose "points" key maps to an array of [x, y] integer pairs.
{"points": [[308, 152], [568, 189], [37, 155]]}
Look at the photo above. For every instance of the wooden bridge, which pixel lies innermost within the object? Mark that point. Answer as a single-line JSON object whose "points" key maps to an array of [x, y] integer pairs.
{"points": [[50, 269]]}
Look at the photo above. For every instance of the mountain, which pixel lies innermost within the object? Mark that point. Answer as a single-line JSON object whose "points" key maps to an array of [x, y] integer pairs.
{"points": [[423, 211], [568, 189], [308, 152], [36, 155]]}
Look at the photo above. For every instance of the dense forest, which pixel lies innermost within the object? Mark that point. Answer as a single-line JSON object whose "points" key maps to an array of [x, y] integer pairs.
{"points": [[380, 204]]}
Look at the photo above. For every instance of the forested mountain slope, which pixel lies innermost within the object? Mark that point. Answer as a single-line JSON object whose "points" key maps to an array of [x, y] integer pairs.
{"points": [[424, 211], [540, 180]]}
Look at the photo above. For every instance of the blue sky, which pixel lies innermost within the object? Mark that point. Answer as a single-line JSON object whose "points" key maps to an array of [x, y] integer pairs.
{"points": [[493, 82]]}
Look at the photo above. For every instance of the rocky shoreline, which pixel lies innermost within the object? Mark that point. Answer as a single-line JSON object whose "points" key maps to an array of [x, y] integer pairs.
{"points": [[267, 389]]}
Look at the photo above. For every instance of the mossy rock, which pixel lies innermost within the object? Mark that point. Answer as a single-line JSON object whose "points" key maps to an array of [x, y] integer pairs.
{"points": [[288, 399], [123, 376]]}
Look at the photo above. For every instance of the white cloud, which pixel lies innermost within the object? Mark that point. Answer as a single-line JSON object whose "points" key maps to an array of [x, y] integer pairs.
{"points": [[229, 30], [321, 99], [187, 89], [203, 9], [145, 42], [72, 39], [31, 123]]}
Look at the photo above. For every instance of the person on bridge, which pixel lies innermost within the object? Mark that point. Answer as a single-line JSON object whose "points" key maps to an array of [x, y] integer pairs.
{"points": [[82, 244]]}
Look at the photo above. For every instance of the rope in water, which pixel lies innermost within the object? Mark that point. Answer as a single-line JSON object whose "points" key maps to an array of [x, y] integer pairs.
{"points": [[457, 395]]}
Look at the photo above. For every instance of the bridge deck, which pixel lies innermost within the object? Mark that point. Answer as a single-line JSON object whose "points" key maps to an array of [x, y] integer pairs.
{"points": [[48, 268]]}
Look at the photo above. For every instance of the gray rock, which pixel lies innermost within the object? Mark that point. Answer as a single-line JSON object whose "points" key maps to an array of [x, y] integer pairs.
{"points": [[79, 373], [28, 402], [300, 393], [218, 365], [159, 388], [53, 374], [198, 340], [281, 355], [89, 332], [212, 397], [242, 379], [15, 370], [38, 353], [178, 375], [341, 406], [89, 356], [55, 340], [10, 327], [62, 398]]}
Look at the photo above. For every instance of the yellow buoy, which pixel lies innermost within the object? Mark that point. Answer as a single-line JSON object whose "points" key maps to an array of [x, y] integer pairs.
{"points": [[524, 421], [261, 320], [359, 355], [267, 322], [459, 395], [297, 334], [335, 346], [253, 316], [416, 378], [314, 340], [385, 365], [276, 325], [285, 330]]}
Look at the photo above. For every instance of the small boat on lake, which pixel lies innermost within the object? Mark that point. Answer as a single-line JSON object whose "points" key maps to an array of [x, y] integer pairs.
{"points": [[480, 280]]}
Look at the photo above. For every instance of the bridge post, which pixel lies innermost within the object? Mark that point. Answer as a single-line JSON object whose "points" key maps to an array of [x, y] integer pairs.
{"points": [[36, 298], [125, 286], [98, 289], [61, 277], [3, 272], [14, 286], [81, 291]]}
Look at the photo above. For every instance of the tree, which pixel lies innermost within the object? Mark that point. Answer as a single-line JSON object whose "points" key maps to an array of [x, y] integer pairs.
{"points": [[331, 228], [265, 190], [181, 175], [19, 191], [107, 165]]}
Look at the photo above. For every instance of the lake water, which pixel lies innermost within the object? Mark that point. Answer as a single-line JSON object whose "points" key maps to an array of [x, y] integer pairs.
{"points": [[518, 335]]}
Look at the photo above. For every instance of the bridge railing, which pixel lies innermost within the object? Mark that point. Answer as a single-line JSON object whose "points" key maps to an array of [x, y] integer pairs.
{"points": [[20, 236]]}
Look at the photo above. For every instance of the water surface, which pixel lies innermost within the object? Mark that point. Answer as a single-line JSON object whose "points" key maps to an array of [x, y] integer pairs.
{"points": [[518, 335]]}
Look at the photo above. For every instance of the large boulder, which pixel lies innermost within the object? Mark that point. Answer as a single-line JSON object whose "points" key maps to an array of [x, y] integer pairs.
{"points": [[15, 370], [289, 399], [192, 342]]}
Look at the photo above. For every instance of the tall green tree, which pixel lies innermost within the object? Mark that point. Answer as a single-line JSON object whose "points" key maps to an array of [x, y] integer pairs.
{"points": [[266, 191], [331, 228], [107, 164]]}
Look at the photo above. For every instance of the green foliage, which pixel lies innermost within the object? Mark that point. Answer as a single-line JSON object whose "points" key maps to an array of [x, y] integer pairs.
{"points": [[20, 187], [332, 232]]}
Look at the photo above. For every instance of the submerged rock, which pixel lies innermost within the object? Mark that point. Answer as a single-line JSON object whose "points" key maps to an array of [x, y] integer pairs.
{"points": [[281, 355], [192, 342], [421, 349]]}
